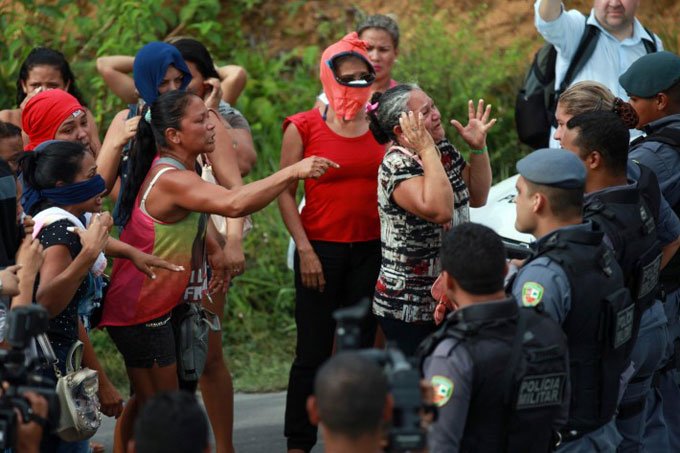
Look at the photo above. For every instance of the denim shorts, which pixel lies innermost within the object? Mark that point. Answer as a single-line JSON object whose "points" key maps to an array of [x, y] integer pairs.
{"points": [[147, 344]]}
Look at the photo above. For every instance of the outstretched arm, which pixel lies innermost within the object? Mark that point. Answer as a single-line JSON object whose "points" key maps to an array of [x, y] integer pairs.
{"points": [[186, 190]]}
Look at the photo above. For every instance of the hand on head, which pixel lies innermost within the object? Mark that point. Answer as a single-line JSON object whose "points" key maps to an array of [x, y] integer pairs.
{"points": [[414, 133], [213, 93]]}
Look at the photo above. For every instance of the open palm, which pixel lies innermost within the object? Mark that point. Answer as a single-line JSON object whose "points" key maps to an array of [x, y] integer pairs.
{"points": [[478, 125]]}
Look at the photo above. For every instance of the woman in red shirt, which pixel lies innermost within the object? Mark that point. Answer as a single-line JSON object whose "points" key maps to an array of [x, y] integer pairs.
{"points": [[337, 234]]}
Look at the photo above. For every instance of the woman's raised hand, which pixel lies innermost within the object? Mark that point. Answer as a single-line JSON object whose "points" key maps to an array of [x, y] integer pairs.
{"points": [[313, 167], [213, 93], [414, 133], [478, 125], [95, 237]]}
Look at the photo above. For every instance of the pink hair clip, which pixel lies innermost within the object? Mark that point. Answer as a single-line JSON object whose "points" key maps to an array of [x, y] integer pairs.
{"points": [[370, 108]]}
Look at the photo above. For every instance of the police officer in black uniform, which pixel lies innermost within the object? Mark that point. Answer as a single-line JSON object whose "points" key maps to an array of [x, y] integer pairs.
{"points": [[580, 285], [499, 371], [644, 236], [653, 84]]}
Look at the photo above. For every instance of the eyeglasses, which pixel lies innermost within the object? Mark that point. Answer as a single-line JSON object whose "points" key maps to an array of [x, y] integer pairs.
{"points": [[356, 80]]}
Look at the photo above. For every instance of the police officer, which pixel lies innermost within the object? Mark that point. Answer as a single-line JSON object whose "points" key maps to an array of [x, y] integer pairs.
{"points": [[486, 404], [644, 234], [653, 84], [577, 280]]}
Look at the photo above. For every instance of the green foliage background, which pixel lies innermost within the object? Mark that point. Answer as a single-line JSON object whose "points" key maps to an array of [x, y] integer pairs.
{"points": [[452, 66]]}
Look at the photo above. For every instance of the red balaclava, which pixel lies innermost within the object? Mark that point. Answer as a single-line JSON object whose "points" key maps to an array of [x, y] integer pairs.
{"points": [[345, 100], [44, 113]]}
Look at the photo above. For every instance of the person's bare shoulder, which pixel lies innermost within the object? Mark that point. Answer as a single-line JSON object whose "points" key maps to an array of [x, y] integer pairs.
{"points": [[11, 116]]}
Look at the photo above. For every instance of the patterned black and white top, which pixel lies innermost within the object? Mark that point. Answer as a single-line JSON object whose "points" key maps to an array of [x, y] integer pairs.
{"points": [[410, 244]]}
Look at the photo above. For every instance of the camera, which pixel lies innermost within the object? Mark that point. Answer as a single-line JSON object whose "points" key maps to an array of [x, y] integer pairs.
{"points": [[20, 372], [405, 433]]}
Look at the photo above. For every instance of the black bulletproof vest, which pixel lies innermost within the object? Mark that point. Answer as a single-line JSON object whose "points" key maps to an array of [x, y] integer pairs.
{"points": [[599, 325], [670, 275], [626, 217], [520, 375]]}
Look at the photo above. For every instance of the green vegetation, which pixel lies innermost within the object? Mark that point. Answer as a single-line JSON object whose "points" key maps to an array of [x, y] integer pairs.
{"points": [[452, 66]]}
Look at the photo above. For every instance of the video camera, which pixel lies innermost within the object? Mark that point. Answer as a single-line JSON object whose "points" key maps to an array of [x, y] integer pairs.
{"points": [[20, 372], [405, 433]]}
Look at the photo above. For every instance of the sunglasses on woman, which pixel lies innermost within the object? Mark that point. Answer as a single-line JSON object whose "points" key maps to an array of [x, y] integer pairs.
{"points": [[359, 80]]}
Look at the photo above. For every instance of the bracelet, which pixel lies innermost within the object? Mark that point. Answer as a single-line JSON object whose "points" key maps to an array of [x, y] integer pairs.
{"points": [[480, 151]]}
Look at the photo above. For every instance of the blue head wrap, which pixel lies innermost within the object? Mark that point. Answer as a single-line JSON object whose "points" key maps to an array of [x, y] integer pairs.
{"points": [[151, 64], [65, 195]]}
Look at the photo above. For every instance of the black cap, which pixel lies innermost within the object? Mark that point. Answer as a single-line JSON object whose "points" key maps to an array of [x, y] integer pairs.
{"points": [[652, 74], [553, 167]]}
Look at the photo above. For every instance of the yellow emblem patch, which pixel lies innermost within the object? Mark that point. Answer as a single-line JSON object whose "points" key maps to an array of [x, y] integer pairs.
{"points": [[443, 390]]}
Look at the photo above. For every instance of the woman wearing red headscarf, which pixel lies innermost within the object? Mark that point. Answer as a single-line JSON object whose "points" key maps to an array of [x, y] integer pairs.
{"points": [[55, 115], [337, 234]]}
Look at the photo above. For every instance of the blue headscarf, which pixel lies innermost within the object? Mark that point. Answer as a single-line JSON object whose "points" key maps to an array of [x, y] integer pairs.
{"points": [[151, 64]]}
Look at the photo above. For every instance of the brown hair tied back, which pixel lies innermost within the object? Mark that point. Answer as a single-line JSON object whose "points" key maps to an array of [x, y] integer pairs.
{"points": [[626, 112]]}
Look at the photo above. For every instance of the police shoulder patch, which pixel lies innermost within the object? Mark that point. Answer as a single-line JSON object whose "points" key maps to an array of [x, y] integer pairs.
{"points": [[532, 293], [443, 389]]}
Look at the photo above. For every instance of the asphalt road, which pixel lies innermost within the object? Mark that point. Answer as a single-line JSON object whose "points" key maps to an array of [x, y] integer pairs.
{"points": [[258, 424]]}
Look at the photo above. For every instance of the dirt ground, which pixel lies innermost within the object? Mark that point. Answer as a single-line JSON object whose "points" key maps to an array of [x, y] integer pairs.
{"points": [[285, 25]]}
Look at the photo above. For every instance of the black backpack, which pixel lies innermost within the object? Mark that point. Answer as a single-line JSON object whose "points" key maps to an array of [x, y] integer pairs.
{"points": [[537, 98]]}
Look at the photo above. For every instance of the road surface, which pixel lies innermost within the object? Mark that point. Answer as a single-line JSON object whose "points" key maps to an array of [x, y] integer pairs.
{"points": [[258, 424]]}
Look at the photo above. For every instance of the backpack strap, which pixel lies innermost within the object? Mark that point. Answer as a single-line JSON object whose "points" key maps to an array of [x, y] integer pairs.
{"points": [[650, 44], [508, 380], [668, 136], [648, 184], [583, 53]]}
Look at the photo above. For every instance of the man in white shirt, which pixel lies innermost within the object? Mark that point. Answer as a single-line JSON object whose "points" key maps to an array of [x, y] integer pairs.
{"points": [[620, 41]]}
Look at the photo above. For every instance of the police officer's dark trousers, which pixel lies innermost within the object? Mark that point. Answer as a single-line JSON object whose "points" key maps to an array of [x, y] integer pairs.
{"points": [[634, 414]]}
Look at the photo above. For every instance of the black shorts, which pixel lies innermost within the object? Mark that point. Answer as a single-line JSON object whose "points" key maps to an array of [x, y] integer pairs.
{"points": [[147, 344]]}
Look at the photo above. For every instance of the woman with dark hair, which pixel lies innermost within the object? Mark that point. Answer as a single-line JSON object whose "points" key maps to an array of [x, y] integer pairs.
{"points": [[47, 69], [216, 383], [159, 68], [205, 82], [424, 187], [337, 234], [60, 180], [165, 201]]}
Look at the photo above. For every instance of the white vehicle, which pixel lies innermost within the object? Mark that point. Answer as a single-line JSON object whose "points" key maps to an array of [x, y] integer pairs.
{"points": [[499, 214]]}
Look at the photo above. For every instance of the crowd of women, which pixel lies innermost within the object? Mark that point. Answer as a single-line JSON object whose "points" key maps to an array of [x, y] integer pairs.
{"points": [[381, 185]]}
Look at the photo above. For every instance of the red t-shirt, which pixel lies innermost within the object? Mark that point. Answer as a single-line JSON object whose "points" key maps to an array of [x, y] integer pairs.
{"points": [[342, 205]]}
